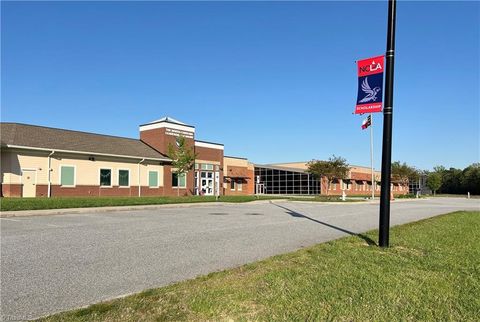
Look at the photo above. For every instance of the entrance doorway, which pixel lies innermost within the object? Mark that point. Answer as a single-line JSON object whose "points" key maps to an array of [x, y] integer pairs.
{"points": [[28, 183], [206, 183]]}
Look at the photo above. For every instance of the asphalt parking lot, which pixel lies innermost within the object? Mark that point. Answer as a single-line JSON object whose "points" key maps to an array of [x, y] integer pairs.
{"points": [[59, 262]]}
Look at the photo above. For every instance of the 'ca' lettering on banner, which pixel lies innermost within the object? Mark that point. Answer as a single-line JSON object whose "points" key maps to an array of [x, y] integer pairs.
{"points": [[370, 85]]}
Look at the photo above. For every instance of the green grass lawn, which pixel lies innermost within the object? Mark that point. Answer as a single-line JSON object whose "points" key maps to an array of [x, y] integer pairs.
{"points": [[445, 195], [15, 204], [431, 272]]}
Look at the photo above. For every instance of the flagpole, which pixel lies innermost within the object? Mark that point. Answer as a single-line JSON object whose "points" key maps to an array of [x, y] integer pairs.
{"points": [[371, 156]]}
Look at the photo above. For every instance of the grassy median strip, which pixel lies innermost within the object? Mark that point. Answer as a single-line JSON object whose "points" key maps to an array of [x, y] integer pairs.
{"points": [[14, 204], [431, 272]]}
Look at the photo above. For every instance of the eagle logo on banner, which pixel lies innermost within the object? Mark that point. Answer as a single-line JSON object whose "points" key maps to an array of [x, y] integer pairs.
{"points": [[371, 93], [370, 85]]}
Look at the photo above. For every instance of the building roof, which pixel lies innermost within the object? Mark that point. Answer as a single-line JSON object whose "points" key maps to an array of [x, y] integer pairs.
{"points": [[40, 137], [168, 119]]}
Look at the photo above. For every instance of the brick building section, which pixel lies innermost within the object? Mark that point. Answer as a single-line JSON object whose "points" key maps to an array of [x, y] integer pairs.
{"points": [[208, 154], [160, 141], [11, 190], [360, 185], [245, 176], [240, 171], [15, 190]]}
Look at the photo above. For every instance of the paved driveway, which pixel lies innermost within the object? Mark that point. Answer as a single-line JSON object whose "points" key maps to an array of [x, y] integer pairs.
{"points": [[55, 263]]}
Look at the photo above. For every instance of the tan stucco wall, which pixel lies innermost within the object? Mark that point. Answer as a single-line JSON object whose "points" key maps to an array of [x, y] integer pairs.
{"points": [[304, 166], [86, 172], [207, 161], [296, 165], [363, 170], [5, 166], [234, 162]]}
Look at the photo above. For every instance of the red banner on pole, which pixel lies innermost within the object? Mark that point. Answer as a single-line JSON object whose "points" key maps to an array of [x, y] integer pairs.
{"points": [[370, 85]]}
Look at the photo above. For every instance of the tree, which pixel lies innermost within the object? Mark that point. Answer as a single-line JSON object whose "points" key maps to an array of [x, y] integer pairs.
{"points": [[470, 179], [434, 181], [451, 181], [334, 169], [183, 158], [439, 169], [404, 173]]}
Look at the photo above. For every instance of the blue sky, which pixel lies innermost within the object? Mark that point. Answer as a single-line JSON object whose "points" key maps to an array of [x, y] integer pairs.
{"points": [[273, 81]]}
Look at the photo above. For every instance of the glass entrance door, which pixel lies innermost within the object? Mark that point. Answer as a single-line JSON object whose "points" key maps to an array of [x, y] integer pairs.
{"points": [[206, 183]]}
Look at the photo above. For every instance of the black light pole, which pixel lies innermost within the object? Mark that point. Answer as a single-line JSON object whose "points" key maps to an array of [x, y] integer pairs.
{"points": [[383, 235]]}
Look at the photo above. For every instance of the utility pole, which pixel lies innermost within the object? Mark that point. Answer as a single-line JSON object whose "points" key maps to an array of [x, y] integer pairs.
{"points": [[384, 227]]}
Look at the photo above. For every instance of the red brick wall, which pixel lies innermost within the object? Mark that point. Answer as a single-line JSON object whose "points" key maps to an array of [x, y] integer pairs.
{"points": [[171, 191], [251, 182], [214, 155], [228, 192], [247, 184], [160, 141], [357, 189], [11, 190], [96, 191], [204, 153]]}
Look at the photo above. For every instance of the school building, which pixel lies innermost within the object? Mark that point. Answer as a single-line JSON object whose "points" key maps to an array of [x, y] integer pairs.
{"points": [[39, 161]]}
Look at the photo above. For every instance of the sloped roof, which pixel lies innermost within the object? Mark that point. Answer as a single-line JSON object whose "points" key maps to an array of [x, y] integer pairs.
{"points": [[168, 119], [33, 136]]}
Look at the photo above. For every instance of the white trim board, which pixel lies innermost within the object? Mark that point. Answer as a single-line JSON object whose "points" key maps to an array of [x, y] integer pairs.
{"points": [[209, 145], [162, 125]]}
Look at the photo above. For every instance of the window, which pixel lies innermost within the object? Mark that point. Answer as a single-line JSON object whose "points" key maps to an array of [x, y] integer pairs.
{"points": [[232, 184], [105, 177], [239, 185], [196, 166], [124, 178], [207, 166], [153, 179], [67, 176], [179, 180]]}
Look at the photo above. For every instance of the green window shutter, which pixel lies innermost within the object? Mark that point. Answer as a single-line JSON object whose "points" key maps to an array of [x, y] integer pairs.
{"points": [[67, 176], [181, 180], [123, 178], [153, 179]]}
